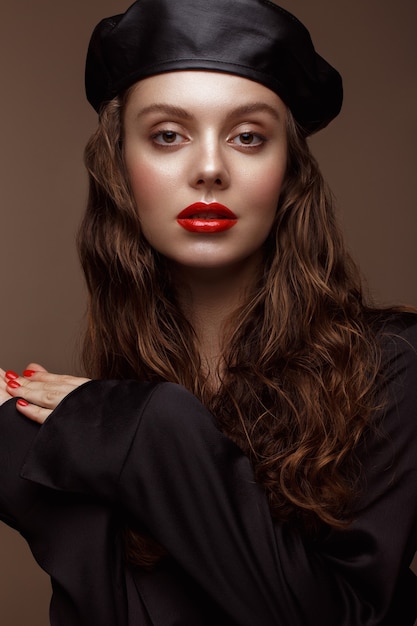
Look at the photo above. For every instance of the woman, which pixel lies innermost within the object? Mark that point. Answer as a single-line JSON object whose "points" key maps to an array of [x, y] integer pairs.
{"points": [[213, 261]]}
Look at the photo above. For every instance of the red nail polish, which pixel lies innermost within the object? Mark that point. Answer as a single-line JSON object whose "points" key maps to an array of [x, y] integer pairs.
{"points": [[11, 375], [13, 384], [22, 402], [28, 373]]}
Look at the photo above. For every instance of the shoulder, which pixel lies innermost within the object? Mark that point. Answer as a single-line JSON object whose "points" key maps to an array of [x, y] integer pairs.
{"points": [[399, 323], [397, 334]]}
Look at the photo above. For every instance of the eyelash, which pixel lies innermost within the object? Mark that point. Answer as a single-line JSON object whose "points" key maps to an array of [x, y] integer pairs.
{"points": [[157, 139], [160, 133], [247, 146]]}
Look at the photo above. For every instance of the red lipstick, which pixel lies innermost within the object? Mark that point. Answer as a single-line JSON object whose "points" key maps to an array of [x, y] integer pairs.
{"points": [[206, 218]]}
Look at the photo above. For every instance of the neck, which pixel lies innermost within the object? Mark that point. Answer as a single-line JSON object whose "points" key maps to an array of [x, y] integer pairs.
{"points": [[208, 298]]}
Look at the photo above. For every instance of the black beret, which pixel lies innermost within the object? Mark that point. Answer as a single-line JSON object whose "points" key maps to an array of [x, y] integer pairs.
{"points": [[255, 39]]}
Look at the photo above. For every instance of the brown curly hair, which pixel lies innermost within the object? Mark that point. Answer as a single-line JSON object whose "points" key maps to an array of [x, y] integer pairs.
{"points": [[301, 353]]}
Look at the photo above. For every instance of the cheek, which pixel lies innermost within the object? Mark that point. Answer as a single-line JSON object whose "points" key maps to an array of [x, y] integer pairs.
{"points": [[264, 176], [149, 180], [267, 189], [144, 180]]}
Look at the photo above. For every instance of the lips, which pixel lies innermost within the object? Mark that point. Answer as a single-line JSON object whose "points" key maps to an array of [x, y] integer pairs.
{"points": [[206, 218]]}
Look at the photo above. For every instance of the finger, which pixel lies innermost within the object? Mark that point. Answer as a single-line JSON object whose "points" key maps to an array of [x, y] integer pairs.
{"points": [[4, 395], [43, 376], [31, 368], [44, 395], [32, 412], [10, 375], [43, 389], [3, 378]]}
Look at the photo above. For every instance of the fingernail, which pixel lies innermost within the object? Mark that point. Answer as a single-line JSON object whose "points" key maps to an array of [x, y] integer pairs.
{"points": [[13, 384], [22, 402], [11, 375], [28, 373]]}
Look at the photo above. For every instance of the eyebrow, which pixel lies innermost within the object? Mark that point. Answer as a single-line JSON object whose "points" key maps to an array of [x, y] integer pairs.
{"points": [[168, 109], [240, 111], [255, 107]]}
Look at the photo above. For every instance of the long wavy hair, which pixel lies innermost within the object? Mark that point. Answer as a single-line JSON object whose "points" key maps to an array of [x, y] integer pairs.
{"points": [[301, 355]]}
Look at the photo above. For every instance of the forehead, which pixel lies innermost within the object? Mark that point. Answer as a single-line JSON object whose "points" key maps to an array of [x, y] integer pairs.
{"points": [[202, 91]]}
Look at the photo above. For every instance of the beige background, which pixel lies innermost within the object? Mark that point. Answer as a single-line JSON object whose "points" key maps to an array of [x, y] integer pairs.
{"points": [[369, 156]]}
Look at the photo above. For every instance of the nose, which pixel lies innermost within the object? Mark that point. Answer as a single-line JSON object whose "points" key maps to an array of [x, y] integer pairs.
{"points": [[209, 169]]}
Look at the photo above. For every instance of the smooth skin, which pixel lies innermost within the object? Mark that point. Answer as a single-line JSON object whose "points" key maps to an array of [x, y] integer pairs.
{"points": [[41, 389], [206, 137], [192, 137]]}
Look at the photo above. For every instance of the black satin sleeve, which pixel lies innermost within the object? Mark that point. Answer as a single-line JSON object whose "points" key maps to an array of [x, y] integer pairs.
{"points": [[156, 453], [74, 539]]}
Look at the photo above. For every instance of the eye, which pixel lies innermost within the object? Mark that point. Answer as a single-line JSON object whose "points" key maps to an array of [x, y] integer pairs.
{"points": [[167, 138], [248, 139]]}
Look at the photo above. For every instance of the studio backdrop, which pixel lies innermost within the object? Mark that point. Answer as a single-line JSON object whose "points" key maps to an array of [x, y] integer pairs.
{"points": [[368, 155]]}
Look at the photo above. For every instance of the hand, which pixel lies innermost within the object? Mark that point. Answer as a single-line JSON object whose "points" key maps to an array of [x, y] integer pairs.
{"points": [[39, 391], [4, 395]]}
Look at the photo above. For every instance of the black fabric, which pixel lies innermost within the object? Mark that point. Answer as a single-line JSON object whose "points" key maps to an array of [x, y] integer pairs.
{"points": [[73, 538], [154, 454], [255, 39]]}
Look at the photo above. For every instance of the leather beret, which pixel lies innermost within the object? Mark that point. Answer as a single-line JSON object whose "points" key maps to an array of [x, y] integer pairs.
{"points": [[255, 39]]}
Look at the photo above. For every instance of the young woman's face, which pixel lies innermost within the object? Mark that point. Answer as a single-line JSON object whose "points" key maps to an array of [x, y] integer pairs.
{"points": [[206, 157]]}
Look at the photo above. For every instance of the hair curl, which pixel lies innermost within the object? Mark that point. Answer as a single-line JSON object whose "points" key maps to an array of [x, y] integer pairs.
{"points": [[301, 353]]}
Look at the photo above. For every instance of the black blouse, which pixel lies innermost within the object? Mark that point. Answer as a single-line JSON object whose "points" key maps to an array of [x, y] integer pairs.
{"points": [[118, 451]]}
